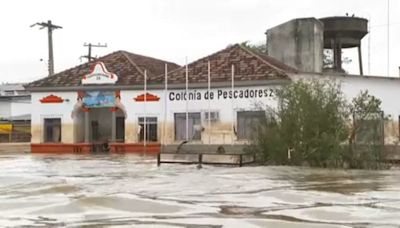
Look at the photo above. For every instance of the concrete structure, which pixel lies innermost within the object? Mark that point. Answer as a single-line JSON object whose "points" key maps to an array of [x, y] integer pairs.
{"points": [[298, 43], [344, 32]]}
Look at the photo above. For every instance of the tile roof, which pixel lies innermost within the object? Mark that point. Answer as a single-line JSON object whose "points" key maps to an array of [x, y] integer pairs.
{"points": [[128, 66], [249, 65]]}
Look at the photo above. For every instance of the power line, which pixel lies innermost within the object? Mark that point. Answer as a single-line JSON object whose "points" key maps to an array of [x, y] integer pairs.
{"points": [[50, 27], [90, 45]]}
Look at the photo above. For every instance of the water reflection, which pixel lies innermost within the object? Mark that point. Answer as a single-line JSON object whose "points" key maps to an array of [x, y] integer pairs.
{"points": [[102, 190]]}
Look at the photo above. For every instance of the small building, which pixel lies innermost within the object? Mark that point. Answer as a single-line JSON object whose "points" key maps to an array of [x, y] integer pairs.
{"points": [[15, 113], [15, 102]]}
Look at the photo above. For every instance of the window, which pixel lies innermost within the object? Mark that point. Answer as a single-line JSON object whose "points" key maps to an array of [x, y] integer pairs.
{"points": [[52, 130], [9, 92], [246, 123], [194, 126], [151, 129], [214, 116]]}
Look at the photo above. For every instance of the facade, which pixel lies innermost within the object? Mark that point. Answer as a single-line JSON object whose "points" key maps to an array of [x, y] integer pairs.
{"points": [[107, 102]]}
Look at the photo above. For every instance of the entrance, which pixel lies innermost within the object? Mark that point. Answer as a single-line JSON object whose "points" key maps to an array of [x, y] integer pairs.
{"points": [[99, 126]]}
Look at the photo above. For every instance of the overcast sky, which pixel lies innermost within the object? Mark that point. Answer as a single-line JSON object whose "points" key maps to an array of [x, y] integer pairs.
{"points": [[173, 29]]}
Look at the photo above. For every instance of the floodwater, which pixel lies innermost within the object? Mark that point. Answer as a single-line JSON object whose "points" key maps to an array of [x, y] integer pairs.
{"points": [[131, 191]]}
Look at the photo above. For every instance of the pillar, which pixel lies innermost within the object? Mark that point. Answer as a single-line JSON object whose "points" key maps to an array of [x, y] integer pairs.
{"points": [[87, 126], [360, 60], [113, 124]]}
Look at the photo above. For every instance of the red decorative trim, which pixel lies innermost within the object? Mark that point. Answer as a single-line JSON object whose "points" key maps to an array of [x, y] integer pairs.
{"points": [[51, 99], [149, 97], [84, 109], [60, 148], [113, 109]]}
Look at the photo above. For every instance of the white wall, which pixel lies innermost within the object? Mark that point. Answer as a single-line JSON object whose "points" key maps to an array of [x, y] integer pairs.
{"points": [[20, 107], [221, 102], [220, 132], [40, 111], [388, 90], [5, 109]]}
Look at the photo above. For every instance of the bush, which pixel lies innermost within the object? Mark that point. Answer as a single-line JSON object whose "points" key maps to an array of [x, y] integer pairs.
{"points": [[310, 126]]}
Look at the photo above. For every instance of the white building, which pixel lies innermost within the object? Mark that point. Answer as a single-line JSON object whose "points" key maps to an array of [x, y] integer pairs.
{"points": [[15, 102]]}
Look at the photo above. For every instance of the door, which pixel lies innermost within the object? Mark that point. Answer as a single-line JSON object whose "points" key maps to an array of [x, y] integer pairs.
{"points": [[247, 122], [95, 131], [120, 131]]}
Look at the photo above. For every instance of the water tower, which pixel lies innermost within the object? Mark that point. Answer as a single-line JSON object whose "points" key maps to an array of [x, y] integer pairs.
{"points": [[344, 32]]}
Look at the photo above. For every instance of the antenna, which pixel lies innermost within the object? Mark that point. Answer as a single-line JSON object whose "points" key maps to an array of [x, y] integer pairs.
{"points": [[90, 45], [50, 27]]}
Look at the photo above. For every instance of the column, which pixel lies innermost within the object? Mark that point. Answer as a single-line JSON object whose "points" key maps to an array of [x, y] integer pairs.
{"points": [[87, 126], [113, 123]]}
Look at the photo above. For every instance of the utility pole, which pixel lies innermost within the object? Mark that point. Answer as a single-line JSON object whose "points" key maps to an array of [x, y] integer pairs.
{"points": [[50, 28], [90, 45]]}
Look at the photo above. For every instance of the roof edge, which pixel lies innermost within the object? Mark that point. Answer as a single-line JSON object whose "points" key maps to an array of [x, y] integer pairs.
{"points": [[161, 86]]}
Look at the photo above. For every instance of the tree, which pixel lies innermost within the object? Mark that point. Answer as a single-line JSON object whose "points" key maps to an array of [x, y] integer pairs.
{"points": [[261, 48], [311, 125], [366, 131], [310, 122]]}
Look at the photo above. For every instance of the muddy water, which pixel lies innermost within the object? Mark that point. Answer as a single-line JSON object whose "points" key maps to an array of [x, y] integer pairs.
{"points": [[131, 191]]}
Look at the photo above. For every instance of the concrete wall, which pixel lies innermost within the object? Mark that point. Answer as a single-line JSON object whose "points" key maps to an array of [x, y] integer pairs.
{"points": [[52, 110], [20, 107], [220, 132], [298, 43]]}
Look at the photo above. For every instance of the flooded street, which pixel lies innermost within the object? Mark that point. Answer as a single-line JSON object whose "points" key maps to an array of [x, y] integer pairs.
{"points": [[131, 191]]}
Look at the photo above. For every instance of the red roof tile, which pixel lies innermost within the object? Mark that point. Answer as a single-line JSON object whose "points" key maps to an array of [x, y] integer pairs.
{"points": [[129, 67], [248, 66]]}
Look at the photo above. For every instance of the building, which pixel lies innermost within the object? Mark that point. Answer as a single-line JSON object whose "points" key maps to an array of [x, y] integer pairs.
{"points": [[14, 102], [105, 101], [15, 113], [134, 103]]}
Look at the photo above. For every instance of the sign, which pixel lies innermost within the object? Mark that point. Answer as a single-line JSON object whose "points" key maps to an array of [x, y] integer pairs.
{"points": [[99, 99], [99, 75], [220, 94]]}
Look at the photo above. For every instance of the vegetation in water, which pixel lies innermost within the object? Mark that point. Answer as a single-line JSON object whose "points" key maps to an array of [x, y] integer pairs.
{"points": [[310, 126]]}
